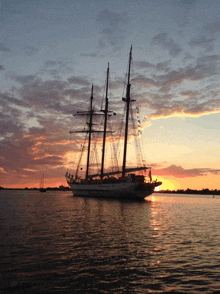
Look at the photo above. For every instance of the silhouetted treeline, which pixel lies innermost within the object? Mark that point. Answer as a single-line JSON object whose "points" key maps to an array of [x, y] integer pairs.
{"points": [[179, 191], [191, 191], [61, 188]]}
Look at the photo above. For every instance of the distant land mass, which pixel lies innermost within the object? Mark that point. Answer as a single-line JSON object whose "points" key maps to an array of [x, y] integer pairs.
{"points": [[61, 188], [179, 191], [192, 191]]}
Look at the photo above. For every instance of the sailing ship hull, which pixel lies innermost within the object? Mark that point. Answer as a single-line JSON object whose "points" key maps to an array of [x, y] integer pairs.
{"points": [[128, 190]]}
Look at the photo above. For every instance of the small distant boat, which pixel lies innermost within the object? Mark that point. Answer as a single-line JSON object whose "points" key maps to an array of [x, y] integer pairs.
{"points": [[42, 189]]}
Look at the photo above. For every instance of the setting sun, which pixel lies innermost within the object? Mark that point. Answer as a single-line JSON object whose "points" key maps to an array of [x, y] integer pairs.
{"points": [[157, 189]]}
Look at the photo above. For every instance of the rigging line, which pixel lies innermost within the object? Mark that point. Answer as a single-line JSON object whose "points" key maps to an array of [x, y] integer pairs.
{"points": [[96, 160], [120, 133], [94, 153], [113, 148], [135, 138], [81, 154], [139, 136], [103, 95], [71, 170]]}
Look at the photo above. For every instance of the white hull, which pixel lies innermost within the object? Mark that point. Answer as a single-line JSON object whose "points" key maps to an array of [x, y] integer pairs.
{"points": [[128, 190]]}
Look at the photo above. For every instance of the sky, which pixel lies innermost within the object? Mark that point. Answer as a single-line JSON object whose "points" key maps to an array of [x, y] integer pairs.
{"points": [[52, 52]]}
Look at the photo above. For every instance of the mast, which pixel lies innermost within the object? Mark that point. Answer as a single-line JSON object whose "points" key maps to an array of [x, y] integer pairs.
{"points": [[42, 182], [90, 113], [105, 124], [90, 133], [127, 100]]}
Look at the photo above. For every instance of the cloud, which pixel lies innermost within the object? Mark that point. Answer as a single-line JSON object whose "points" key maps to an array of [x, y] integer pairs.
{"points": [[205, 67], [56, 67], [160, 66], [180, 172], [23, 79], [212, 28], [204, 42], [162, 40], [30, 50], [88, 55], [164, 95], [112, 28], [143, 80], [2, 67], [7, 100], [79, 81], [101, 44], [3, 48], [188, 2]]}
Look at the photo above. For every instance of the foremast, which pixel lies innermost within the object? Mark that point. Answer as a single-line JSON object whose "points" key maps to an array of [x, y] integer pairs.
{"points": [[89, 113]]}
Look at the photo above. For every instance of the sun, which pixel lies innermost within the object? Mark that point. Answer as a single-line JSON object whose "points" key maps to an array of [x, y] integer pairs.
{"points": [[157, 189]]}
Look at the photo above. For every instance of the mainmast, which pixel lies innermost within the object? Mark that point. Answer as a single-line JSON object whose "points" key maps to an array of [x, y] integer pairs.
{"points": [[127, 100], [105, 124]]}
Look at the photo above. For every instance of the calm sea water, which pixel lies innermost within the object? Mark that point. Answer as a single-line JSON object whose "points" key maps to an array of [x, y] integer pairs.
{"points": [[56, 243]]}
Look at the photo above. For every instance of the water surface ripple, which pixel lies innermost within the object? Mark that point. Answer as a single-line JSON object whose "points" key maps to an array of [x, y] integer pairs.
{"points": [[56, 243]]}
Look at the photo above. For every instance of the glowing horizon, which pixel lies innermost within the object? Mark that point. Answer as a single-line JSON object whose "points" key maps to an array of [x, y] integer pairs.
{"points": [[47, 77]]}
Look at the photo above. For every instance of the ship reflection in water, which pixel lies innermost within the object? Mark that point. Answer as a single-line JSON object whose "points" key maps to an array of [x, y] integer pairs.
{"points": [[65, 244]]}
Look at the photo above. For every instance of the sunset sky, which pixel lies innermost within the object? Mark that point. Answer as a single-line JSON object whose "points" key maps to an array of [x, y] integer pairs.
{"points": [[52, 52]]}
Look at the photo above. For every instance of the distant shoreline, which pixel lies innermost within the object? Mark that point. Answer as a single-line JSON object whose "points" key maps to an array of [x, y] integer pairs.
{"points": [[187, 191], [37, 189], [191, 191]]}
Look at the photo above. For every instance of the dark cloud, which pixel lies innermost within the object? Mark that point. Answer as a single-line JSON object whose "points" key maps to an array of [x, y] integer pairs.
{"points": [[8, 100], [160, 66], [30, 50], [180, 172], [101, 44], [143, 80], [212, 28], [204, 68], [52, 63], [164, 94], [79, 81], [188, 2], [55, 68], [3, 48], [204, 42], [23, 79], [10, 123], [2, 67], [143, 65], [112, 28], [212, 59], [88, 55], [168, 43]]}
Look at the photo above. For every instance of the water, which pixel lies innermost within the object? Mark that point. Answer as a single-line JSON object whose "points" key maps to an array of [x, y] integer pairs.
{"points": [[56, 243]]}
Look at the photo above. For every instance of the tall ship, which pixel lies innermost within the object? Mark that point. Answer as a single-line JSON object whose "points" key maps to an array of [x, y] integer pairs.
{"points": [[127, 182]]}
